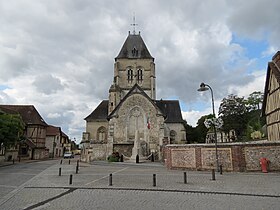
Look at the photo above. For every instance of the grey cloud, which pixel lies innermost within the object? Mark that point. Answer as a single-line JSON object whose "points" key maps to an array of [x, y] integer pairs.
{"points": [[47, 84], [257, 20], [69, 47]]}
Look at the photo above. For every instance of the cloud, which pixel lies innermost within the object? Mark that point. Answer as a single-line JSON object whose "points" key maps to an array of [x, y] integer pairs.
{"points": [[258, 20], [47, 84], [59, 55]]}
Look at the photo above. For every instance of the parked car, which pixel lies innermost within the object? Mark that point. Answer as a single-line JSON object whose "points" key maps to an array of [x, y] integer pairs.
{"points": [[68, 155]]}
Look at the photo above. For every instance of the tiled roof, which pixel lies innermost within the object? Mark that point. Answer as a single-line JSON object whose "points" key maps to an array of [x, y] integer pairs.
{"points": [[7, 111], [134, 47], [63, 134], [28, 113], [171, 109], [53, 130], [100, 113]]}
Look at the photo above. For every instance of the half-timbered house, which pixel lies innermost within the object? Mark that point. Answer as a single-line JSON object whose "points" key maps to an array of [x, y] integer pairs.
{"points": [[271, 102]]}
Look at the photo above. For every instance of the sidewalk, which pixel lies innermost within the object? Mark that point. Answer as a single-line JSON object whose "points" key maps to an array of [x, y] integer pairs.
{"points": [[140, 177], [9, 163], [132, 186], [6, 163]]}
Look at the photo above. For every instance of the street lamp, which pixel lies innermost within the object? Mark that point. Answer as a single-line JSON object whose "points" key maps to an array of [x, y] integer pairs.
{"points": [[205, 87]]}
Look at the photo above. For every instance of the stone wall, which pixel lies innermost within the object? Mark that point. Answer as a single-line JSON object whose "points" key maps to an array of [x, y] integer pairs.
{"points": [[41, 153], [97, 152], [125, 149], [92, 127], [147, 65], [232, 156], [180, 132]]}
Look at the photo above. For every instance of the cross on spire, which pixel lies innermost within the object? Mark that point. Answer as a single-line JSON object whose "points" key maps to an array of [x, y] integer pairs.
{"points": [[134, 24]]}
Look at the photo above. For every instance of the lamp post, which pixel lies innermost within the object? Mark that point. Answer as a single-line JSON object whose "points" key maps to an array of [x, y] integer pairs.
{"points": [[205, 87]]}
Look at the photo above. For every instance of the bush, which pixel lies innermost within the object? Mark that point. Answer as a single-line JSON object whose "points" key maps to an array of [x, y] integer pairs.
{"points": [[114, 157]]}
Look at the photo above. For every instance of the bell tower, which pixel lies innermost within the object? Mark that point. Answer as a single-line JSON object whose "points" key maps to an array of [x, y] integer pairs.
{"points": [[134, 64]]}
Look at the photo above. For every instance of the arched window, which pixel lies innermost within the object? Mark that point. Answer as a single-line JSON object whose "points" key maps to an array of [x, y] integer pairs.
{"points": [[129, 75], [139, 75], [101, 134], [172, 136]]}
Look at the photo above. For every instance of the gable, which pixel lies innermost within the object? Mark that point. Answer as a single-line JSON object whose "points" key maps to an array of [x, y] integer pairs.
{"points": [[272, 82], [136, 89]]}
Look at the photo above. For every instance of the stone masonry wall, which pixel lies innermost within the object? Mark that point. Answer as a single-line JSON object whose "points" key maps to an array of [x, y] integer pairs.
{"points": [[232, 156]]}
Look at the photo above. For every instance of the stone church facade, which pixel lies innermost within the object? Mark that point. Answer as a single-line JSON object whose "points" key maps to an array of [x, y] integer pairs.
{"points": [[132, 122]]}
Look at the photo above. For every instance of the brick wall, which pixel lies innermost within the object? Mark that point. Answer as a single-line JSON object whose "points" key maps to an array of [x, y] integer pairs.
{"points": [[232, 156]]}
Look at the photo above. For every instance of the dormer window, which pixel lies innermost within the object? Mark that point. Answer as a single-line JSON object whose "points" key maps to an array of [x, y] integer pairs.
{"points": [[130, 75], [134, 52]]}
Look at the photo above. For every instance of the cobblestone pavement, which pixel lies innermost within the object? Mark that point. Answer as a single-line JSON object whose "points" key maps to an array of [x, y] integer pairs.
{"points": [[132, 188]]}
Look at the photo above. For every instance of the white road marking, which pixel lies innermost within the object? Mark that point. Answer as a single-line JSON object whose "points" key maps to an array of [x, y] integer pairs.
{"points": [[106, 176]]}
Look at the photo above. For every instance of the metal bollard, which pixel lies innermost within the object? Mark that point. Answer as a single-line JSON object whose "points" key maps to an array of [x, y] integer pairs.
{"points": [[137, 158], [60, 161], [110, 180], [213, 174], [77, 169], [154, 180], [152, 158], [185, 177], [78, 163], [69, 162], [13, 161], [70, 179], [59, 172], [221, 169]]}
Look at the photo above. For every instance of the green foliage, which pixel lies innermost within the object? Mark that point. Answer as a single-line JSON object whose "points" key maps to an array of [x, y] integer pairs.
{"points": [[233, 112], [198, 134], [191, 134], [254, 100], [114, 157], [242, 115], [11, 129], [237, 113], [255, 123]]}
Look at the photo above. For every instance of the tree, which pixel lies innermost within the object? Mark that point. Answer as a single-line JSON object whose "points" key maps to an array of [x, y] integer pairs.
{"points": [[200, 129], [191, 134], [11, 129], [254, 100], [255, 122], [233, 112]]}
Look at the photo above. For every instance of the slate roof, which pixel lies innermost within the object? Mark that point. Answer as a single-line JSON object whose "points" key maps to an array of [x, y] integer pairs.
{"points": [[100, 113], [28, 113], [135, 89], [272, 68], [171, 109], [134, 47]]}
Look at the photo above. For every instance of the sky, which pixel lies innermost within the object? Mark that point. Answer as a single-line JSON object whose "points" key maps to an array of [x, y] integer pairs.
{"points": [[58, 55]]}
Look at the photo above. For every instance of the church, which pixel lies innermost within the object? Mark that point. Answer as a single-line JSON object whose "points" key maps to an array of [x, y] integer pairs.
{"points": [[132, 121]]}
